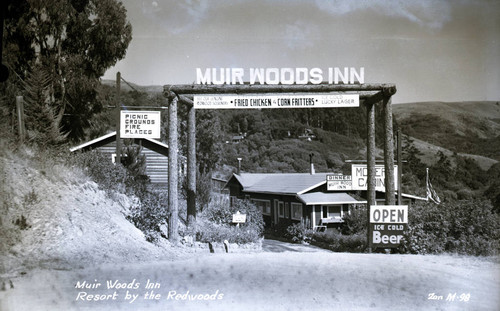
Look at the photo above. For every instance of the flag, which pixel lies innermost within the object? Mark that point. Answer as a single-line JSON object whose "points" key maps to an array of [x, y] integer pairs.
{"points": [[431, 193]]}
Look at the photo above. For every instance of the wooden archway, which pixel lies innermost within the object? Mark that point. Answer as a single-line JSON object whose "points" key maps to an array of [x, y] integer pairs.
{"points": [[369, 96]]}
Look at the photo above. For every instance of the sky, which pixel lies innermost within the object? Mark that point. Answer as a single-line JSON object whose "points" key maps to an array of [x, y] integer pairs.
{"points": [[433, 50]]}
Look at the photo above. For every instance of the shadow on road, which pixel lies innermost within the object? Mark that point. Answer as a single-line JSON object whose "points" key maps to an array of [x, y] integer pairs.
{"points": [[275, 246]]}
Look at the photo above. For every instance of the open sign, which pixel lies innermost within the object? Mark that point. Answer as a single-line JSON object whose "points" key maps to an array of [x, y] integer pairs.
{"points": [[394, 214], [387, 225]]}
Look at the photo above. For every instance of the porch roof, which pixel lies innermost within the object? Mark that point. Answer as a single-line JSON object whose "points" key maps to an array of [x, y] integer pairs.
{"points": [[287, 183], [325, 198]]}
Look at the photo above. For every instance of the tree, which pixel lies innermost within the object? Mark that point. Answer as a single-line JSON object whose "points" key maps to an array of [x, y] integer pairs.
{"points": [[75, 41], [209, 140]]}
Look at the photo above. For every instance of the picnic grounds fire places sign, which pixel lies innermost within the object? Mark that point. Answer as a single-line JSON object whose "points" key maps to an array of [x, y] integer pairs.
{"points": [[140, 124]]}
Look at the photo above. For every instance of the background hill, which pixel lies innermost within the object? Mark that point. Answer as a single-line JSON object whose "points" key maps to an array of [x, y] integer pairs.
{"points": [[461, 127], [458, 142], [129, 86]]}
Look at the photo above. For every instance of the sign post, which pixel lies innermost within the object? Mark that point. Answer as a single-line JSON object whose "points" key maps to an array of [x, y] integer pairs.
{"points": [[387, 225]]}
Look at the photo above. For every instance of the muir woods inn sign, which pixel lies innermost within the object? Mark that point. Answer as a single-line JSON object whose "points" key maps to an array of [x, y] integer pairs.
{"points": [[277, 76], [286, 76]]}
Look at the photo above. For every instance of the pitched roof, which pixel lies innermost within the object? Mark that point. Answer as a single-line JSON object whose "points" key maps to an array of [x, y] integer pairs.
{"points": [[287, 183], [297, 184], [324, 198], [149, 143]]}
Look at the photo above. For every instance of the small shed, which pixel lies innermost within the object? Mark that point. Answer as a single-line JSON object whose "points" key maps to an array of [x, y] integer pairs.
{"points": [[155, 152]]}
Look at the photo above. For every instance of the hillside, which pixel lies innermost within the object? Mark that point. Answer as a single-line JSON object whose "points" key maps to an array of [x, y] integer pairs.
{"points": [[458, 142], [461, 127], [129, 86], [53, 215], [429, 151]]}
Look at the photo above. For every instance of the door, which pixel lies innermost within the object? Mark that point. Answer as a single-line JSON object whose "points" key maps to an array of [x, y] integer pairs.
{"points": [[276, 212]]}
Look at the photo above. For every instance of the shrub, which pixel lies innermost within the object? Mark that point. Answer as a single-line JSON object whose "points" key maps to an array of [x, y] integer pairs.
{"points": [[355, 221], [149, 213], [214, 223], [280, 229], [338, 242], [208, 231], [464, 227], [150, 210], [220, 211], [298, 233], [109, 176]]}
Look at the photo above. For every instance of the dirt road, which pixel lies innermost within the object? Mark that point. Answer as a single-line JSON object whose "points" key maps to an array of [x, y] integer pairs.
{"points": [[275, 246], [266, 281]]}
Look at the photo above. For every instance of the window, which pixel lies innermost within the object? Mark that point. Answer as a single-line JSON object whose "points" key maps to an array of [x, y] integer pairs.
{"points": [[287, 211], [296, 211], [332, 211], [265, 206], [113, 158], [281, 209]]}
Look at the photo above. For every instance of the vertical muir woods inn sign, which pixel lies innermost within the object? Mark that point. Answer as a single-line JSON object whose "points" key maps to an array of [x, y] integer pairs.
{"points": [[223, 88]]}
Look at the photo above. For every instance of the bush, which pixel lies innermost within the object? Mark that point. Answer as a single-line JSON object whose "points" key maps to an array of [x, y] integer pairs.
{"points": [[150, 211], [298, 233], [335, 241], [149, 214], [463, 227], [220, 211], [355, 221], [214, 223], [110, 177], [210, 232]]}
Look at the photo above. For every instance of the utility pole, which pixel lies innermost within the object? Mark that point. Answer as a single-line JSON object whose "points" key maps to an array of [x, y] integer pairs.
{"points": [[118, 112]]}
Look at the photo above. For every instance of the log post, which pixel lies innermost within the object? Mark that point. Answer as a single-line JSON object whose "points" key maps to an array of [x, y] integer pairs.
{"points": [[191, 167], [370, 155], [388, 153], [173, 206], [400, 167]]}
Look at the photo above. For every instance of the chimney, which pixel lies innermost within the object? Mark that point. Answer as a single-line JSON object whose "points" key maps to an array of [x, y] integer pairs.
{"points": [[311, 171], [239, 165]]}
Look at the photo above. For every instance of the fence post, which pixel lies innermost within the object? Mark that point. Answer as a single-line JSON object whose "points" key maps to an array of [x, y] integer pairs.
{"points": [[20, 118]]}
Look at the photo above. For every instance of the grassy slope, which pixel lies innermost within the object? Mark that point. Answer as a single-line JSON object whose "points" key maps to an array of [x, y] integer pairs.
{"points": [[68, 220], [472, 127]]}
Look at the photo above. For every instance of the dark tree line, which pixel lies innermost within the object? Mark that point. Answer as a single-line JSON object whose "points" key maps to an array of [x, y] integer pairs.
{"points": [[56, 51]]}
